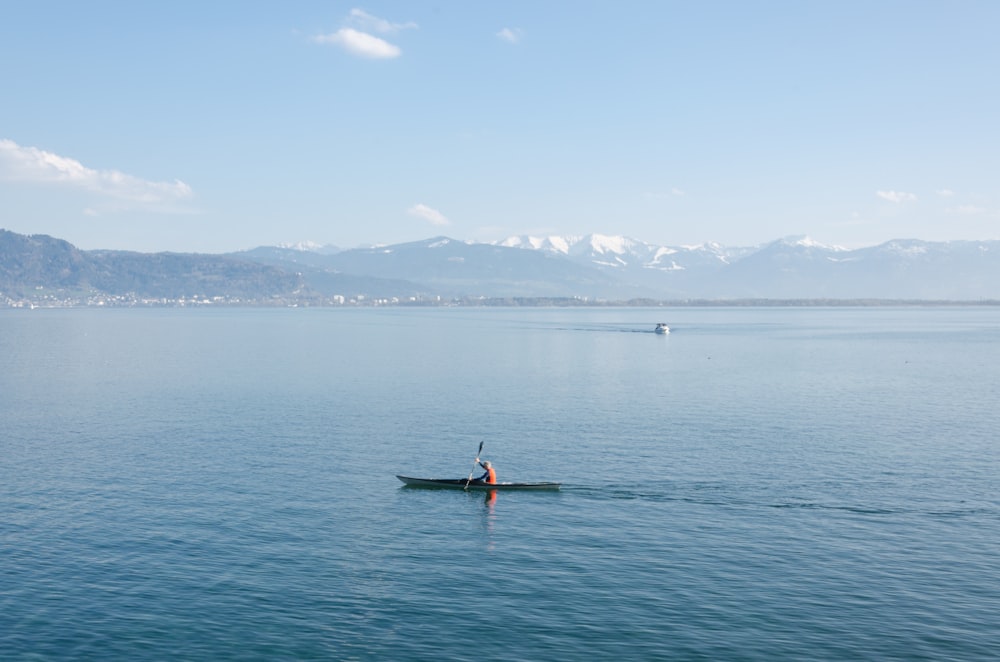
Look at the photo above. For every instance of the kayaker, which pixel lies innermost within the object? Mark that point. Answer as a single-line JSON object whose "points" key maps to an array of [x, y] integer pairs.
{"points": [[490, 477]]}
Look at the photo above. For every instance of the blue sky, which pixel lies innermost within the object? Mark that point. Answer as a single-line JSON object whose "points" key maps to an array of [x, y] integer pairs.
{"points": [[218, 126]]}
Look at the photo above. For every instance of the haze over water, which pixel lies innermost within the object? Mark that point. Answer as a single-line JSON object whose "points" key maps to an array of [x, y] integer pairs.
{"points": [[760, 484]]}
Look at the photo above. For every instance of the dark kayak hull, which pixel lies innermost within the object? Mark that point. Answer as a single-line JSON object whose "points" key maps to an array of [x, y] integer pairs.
{"points": [[460, 484]]}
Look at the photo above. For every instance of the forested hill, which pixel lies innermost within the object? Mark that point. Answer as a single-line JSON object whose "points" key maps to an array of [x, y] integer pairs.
{"points": [[37, 263]]}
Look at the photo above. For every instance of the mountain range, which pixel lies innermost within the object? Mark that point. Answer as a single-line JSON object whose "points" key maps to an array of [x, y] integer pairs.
{"points": [[587, 268], [602, 267], [791, 268]]}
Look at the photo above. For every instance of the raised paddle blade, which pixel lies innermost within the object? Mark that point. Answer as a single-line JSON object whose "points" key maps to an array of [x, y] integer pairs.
{"points": [[474, 464]]}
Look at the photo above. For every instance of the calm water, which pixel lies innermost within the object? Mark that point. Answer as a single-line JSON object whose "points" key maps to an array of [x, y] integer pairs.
{"points": [[761, 484]]}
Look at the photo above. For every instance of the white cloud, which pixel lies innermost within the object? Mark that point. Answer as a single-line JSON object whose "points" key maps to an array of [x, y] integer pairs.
{"points": [[945, 192], [360, 43], [356, 37], [432, 216], [513, 35], [896, 196], [30, 164], [366, 21], [674, 192]]}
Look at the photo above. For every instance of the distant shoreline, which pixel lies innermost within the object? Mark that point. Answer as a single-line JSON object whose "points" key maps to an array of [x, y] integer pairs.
{"points": [[119, 302]]}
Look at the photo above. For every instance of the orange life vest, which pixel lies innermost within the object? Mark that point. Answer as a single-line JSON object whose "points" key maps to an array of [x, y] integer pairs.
{"points": [[492, 478]]}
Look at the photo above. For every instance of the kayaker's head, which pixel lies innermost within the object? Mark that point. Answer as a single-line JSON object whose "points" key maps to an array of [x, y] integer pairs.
{"points": [[486, 464]]}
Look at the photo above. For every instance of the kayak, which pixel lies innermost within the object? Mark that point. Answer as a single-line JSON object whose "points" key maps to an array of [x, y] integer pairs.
{"points": [[460, 483]]}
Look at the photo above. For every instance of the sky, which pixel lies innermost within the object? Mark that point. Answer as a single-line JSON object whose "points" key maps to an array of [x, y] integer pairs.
{"points": [[210, 127]]}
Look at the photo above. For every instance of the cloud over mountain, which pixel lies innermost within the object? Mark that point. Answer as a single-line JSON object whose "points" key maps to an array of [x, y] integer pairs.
{"points": [[429, 214], [127, 192]]}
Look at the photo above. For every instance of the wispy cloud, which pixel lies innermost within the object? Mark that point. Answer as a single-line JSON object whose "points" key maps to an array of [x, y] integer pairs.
{"points": [[896, 196], [30, 164], [967, 210], [364, 20], [945, 192], [356, 38], [674, 192], [512, 35], [429, 214]]}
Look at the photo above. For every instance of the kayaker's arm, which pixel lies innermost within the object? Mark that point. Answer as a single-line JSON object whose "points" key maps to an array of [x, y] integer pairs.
{"points": [[490, 476]]}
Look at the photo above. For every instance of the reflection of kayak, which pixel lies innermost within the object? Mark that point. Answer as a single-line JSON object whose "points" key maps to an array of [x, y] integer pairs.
{"points": [[460, 483]]}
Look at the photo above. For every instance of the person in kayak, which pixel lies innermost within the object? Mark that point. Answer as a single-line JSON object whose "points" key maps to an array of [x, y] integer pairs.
{"points": [[490, 477]]}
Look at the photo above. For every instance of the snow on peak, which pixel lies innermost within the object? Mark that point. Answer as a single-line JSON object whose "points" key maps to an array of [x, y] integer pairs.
{"points": [[909, 247], [797, 240], [310, 247], [306, 245], [596, 243], [663, 250], [601, 243], [804, 241], [558, 244], [552, 243]]}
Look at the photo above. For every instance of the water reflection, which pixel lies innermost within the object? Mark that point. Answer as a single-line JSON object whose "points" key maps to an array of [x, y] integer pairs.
{"points": [[490, 517]]}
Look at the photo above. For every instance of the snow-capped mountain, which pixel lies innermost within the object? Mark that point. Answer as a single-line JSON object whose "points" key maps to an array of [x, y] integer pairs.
{"points": [[788, 268], [622, 253], [592, 267], [311, 247], [617, 267], [673, 271]]}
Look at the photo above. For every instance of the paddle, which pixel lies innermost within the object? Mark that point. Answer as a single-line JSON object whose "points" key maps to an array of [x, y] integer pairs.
{"points": [[474, 463]]}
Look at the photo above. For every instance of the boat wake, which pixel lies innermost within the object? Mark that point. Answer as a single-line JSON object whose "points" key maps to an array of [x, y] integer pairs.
{"points": [[713, 494]]}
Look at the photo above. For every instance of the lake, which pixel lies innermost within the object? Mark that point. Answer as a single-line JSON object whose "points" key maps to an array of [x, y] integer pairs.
{"points": [[761, 484]]}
